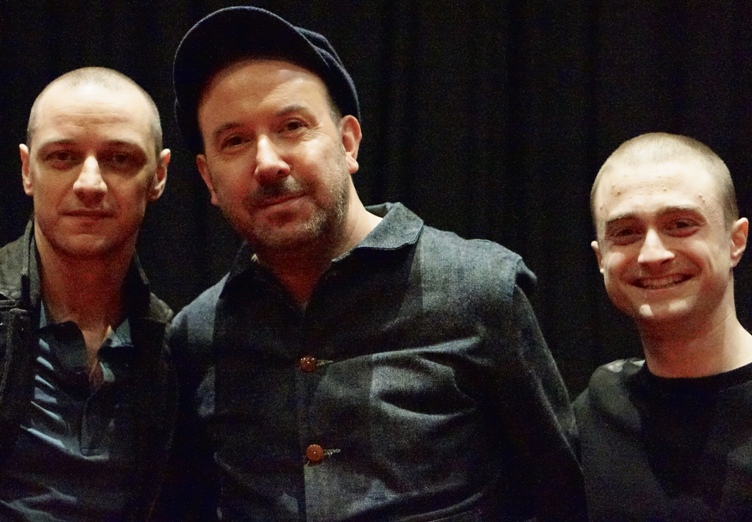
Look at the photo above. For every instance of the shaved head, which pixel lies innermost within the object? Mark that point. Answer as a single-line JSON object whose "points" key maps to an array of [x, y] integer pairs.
{"points": [[659, 147], [101, 77]]}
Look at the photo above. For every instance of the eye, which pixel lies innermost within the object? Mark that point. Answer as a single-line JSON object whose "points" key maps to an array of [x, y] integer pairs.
{"points": [[624, 235], [682, 227], [124, 161], [231, 141], [62, 159], [292, 125], [121, 159]]}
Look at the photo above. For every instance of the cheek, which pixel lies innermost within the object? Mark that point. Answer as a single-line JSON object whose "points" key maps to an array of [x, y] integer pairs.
{"points": [[231, 174], [229, 187], [615, 266], [613, 262], [133, 192], [49, 191]]}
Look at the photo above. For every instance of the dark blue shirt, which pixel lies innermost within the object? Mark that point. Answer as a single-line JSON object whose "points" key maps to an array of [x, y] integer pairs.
{"points": [[415, 385], [76, 446]]}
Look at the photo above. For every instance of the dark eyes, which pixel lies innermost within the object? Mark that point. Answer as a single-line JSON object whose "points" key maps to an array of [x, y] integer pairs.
{"points": [[232, 141], [61, 159], [292, 125], [624, 235], [116, 160], [681, 224], [122, 161], [287, 130], [628, 234]]}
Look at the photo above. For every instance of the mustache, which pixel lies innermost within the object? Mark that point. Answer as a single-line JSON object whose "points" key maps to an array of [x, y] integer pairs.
{"points": [[272, 191]]}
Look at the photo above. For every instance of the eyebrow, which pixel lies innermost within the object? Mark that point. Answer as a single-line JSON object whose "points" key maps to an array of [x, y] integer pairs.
{"points": [[674, 209], [294, 107], [54, 143], [64, 142], [284, 111]]}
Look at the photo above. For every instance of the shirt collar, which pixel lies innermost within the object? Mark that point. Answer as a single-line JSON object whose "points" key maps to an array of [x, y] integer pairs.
{"points": [[398, 228]]}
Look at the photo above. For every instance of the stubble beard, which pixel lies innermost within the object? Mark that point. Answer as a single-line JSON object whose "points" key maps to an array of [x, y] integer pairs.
{"points": [[322, 231]]}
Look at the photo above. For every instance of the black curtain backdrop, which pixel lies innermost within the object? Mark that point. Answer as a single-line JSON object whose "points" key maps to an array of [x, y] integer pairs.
{"points": [[489, 118]]}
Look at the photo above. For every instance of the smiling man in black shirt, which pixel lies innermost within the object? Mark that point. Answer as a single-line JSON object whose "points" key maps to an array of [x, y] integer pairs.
{"points": [[669, 438]]}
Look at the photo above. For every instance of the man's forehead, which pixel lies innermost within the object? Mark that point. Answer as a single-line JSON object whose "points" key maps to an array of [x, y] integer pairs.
{"points": [[87, 104], [269, 70], [82, 116], [264, 86], [617, 215], [623, 177], [674, 185], [116, 95]]}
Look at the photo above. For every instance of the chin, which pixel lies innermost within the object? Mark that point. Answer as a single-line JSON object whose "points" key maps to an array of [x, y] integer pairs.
{"points": [[92, 247], [659, 312]]}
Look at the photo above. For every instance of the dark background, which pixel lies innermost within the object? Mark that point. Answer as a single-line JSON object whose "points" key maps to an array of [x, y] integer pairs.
{"points": [[486, 117]]}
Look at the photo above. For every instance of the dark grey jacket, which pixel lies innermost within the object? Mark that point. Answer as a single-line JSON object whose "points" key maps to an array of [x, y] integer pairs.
{"points": [[154, 382], [415, 386]]}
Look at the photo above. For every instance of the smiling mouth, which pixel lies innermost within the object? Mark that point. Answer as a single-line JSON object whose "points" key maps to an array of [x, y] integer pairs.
{"points": [[659, 283]]}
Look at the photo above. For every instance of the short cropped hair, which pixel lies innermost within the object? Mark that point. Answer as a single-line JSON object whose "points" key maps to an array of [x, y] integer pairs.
{"points": [[102, 77], [661, 146]]}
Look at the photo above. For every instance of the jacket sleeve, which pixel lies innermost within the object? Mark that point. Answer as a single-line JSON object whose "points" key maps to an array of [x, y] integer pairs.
{"points": [[537, 417], [191, 486]]}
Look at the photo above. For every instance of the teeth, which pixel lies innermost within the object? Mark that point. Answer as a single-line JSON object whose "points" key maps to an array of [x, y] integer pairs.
{"points": [[661, 282]]}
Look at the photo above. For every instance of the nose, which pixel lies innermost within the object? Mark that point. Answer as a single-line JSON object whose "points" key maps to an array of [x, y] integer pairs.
{"points": [[270, 166], [89, 185], [653, 250]]}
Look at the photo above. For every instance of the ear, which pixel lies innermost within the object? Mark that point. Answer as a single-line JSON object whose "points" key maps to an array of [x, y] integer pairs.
{"points": [[739, 233], [26, 178], [597, 249], [351, 136], [203, 168], [160, 177]]}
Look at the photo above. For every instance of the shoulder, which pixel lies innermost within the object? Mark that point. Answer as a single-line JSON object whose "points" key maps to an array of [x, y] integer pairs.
{"points": [[195, 322], [159, 310], [614, 376], [444, 250], [11, 267], [608, 390], [615, 371], [476, 261]]}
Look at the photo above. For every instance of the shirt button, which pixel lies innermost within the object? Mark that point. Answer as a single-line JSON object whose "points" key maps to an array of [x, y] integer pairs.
{"points": [[308, 364], [314, 453]]}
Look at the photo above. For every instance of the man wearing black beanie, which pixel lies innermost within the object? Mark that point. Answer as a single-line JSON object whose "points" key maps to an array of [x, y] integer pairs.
{"points": [[354, 364]]}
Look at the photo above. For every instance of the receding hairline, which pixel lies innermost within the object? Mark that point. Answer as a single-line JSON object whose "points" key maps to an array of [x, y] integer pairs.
{"points": [[109, 79], [657, 147]]}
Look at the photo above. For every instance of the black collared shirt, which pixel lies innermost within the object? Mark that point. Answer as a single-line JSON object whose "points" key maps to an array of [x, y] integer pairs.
{"points": [[76, 446]]}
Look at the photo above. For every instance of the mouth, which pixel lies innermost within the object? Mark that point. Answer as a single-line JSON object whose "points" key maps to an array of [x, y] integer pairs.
{"points": [[270, 201], [91, 214], [660, 283]]}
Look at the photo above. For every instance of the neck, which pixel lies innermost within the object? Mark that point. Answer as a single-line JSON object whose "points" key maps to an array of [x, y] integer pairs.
{"points": [[299, 269], [697, 348], [87, 291]]}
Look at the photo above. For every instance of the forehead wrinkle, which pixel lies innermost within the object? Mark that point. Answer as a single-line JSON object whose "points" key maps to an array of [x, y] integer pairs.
{"points": [[281, 112], [669, 209], [695, 210], [120, 142], [230, 125], [75, 115]]}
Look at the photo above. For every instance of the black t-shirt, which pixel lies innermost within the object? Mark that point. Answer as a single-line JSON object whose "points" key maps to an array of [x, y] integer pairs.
{"points": [[660, 449]]}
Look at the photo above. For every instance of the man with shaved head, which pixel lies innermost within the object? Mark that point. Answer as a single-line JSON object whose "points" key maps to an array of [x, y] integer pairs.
{"points": [[86, 393], [669, 437]]}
